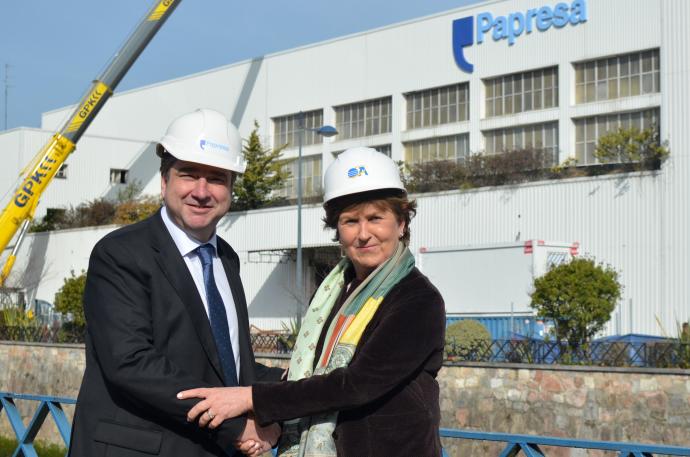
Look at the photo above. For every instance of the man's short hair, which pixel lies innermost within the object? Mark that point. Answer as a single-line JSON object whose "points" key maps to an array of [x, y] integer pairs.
{"points": [[167, 162]]}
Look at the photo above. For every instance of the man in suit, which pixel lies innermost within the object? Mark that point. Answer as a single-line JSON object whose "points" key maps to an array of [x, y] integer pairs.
{"points": [[165, 312]]}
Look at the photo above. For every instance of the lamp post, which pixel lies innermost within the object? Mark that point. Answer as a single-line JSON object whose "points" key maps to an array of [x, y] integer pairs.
{"points": [[325, 131]]}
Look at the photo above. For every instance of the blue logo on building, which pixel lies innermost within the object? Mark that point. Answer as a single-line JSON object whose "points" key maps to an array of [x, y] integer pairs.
{"points": [[510, 27], [357, 171]]}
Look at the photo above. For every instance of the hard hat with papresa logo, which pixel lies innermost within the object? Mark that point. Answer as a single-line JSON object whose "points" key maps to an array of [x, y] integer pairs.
{"points": [[361, 170], [204, 136]]}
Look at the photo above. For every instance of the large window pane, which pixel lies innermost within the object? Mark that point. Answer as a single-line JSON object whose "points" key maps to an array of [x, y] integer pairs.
{"points": [[537, 136], [370, 118], [311, 178], [526, 91], [454, 148], [442, 105], [615, 77], [589, 130], [286, 128]]}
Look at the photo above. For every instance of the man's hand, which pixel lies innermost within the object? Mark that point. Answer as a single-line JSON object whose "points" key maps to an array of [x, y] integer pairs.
{"points": [[256, 440]]}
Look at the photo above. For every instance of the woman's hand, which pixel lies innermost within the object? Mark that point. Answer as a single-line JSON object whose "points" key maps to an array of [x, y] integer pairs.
{"points": [[218, 404], [256, 440]]}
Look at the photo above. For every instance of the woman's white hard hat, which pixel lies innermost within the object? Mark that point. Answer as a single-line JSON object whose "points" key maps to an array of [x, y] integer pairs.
{"points": [[204, 136], [358, 170]]}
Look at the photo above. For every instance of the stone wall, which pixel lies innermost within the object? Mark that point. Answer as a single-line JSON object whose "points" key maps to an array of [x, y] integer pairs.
{"points": [[643, 405], [576, 402]]}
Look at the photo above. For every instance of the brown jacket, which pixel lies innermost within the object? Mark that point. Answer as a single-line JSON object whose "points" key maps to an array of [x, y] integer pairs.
{"points": [[388, 397]]}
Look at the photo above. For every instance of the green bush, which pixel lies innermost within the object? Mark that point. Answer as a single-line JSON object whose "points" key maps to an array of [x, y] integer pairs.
{"points": [[579, 296], [465, 338], [69, 299], [642, 147]]}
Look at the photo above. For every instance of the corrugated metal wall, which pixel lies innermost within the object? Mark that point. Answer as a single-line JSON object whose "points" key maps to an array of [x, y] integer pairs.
{"points": [[618, 219]]}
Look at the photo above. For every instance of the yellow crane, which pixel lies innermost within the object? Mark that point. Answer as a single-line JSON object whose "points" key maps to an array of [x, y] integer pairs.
{"points": [[20, 210]]}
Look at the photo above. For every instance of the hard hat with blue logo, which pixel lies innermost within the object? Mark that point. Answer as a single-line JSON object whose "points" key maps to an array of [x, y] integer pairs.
{"points": [[359, 170], [204, 136]]}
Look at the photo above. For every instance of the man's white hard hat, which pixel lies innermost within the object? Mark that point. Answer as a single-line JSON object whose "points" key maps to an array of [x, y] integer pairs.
{"points": [[204, 136], [358, 170]]}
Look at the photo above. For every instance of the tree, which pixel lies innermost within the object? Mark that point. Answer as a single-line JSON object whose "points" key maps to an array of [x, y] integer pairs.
{"points": [[263, 175], [579, 296], [642, 147], [69, 299]]}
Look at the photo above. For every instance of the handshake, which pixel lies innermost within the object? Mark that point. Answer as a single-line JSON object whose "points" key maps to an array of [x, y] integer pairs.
{"points": [[221, 403]]}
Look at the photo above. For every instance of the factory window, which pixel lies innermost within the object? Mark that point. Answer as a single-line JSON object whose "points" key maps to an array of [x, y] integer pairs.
{"points": [[588, 130], [286, 129], [536, 137], [62, 172], [442, 105], [616, 77], [383, 149], [311, 178], [532, 90], [455, 148], [368, 118], [118, 176]]}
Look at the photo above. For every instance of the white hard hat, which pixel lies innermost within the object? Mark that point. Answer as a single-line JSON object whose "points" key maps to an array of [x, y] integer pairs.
{"points": [[204, 136], [358, 170]]}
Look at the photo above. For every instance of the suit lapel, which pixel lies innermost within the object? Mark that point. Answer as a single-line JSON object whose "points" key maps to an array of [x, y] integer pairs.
{"points": [[246, 354], [175, 269]]}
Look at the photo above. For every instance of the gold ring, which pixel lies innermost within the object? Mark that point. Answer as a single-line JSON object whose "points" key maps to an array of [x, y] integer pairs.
{"points": [[210, 416]]}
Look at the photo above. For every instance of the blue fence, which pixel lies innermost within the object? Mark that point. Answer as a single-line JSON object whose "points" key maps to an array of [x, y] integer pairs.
{"points": [[528, 444], [26, 434], [660, 354]]}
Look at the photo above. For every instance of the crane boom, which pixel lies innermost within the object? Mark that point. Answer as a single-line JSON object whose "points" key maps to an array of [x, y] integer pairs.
{"points": [[21, 208]]}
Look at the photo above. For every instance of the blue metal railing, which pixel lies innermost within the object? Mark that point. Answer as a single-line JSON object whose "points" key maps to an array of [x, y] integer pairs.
{"points": [[528, 444], [26, 434]]}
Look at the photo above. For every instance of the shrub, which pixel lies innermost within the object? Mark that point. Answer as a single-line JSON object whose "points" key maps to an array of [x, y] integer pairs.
{"points": [[509, 167], [289, 337], [465, 338], [642, 147], [131, 211], [69, 299], [16, 317], [579, 296]]}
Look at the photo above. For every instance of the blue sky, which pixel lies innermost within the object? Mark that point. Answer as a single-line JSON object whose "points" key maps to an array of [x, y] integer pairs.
{"points": [[55, 48]]}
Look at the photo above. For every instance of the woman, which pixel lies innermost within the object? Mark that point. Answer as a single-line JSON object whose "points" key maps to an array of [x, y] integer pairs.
{"points": [[362, 375]]}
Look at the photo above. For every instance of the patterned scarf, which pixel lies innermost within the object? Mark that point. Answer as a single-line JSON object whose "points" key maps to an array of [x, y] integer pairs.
{"points": [[312, 436]]}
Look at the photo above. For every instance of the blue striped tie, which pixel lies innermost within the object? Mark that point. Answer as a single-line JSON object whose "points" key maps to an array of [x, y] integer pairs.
{"points": [[217, 316]]}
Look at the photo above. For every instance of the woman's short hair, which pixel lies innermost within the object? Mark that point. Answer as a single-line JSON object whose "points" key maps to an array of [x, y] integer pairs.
{"points": [[394, 200]]}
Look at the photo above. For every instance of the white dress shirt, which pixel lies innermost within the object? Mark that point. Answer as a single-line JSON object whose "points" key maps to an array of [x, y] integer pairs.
{"points": [[187, 245]]}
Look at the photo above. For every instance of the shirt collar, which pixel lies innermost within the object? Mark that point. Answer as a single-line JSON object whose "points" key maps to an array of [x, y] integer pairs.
{"points": [[185, 243]]}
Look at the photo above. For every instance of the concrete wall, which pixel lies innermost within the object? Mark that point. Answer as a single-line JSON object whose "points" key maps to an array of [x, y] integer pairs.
{"points": [[576, 402]]}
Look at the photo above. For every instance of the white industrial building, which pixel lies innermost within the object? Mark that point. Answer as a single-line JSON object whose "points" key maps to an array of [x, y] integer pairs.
{"points": [[544, 74]]}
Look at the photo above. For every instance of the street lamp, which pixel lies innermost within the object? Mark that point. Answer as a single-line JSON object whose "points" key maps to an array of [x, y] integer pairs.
{"points": [[325, 131]]}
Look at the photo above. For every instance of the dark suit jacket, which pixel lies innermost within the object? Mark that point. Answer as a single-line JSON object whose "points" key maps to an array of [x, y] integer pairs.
{"points": [[388, 397], [148, 337]]}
